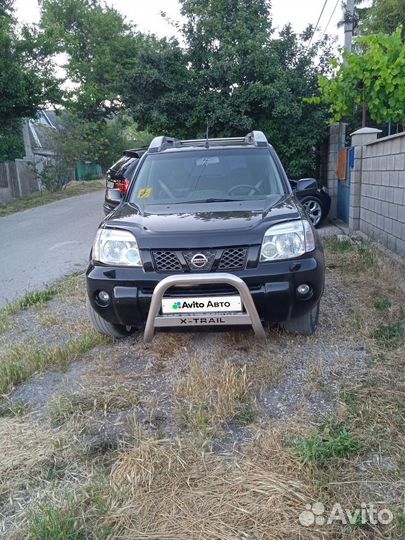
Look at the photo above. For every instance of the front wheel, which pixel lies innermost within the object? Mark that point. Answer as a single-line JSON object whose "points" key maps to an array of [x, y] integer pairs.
{"points": [[304, 325], [313, 207], [106, 328]]}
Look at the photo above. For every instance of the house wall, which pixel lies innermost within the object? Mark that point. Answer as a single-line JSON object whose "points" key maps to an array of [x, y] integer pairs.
{"points": [[378, 207]]}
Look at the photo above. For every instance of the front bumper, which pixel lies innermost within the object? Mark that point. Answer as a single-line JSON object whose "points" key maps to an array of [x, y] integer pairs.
{"points": [[273, 287]]}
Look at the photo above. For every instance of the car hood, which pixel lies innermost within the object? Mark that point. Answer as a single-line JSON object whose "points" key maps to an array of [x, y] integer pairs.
{"points": [[202, 224]]}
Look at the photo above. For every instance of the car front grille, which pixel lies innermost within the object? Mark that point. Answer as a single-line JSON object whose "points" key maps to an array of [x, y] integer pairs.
{"points": [[233, 259], [166, 261], [216, 260]]}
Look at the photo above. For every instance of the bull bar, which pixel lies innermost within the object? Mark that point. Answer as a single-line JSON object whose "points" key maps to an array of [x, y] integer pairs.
{"points": [[155, 320]]}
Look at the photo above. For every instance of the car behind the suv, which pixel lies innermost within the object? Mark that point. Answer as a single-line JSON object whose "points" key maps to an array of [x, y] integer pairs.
{"points": [[119, 176], [209, 233]]}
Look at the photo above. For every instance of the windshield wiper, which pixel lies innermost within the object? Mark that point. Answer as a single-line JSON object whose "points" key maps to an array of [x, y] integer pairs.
{"points": [[214, 199]]}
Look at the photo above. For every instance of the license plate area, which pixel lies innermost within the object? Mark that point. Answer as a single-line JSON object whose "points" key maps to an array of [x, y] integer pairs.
{"points": [[202, 304]]}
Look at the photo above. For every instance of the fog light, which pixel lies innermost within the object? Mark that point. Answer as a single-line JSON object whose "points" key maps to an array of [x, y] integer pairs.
{"points": [[303, 289], [103, 297]]}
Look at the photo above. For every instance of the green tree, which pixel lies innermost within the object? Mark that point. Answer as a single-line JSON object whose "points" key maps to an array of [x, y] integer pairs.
{"points": [[236, 76], [159, 89], [100, 48], [26, 81], [381, 16], [372, 77]]}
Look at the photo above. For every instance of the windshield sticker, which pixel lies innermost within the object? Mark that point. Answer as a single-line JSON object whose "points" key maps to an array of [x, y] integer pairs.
{"points": [[144, 193]]}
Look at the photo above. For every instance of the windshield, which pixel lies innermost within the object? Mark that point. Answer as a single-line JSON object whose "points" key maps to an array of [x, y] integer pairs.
{"points": [[207, 176]]}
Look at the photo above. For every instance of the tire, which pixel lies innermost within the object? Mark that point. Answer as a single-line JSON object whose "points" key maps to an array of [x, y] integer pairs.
{"points": [[314, 209], [304, 325], [104, 327]]}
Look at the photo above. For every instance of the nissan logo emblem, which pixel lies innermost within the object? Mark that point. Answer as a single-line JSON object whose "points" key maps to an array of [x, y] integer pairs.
{"points": [[199, 260]]}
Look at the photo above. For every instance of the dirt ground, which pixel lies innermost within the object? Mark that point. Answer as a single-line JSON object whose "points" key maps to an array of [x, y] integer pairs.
{"points": [[211, 434]]}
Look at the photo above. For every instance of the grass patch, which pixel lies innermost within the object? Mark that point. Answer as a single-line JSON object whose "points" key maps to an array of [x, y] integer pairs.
{"points": [[34, 298], [106, 400], [351, 257], [209, 397], [382, 304], [38, 299], [246, 415], [319, 448], [11, 409], [31, 299], [38, 199], [21, 361], [52, 523], [336, 246], [358, 320], [390, 336], [4, 320]]}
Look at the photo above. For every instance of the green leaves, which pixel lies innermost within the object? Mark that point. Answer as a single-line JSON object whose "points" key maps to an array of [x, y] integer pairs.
{"points": [[373, 76], [25, 82]]}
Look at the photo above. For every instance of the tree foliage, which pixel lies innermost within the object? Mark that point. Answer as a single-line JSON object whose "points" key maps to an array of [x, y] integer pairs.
{"points": [[26, 81], [373, 76], [381, 16], [100, 48], [236, 76]]}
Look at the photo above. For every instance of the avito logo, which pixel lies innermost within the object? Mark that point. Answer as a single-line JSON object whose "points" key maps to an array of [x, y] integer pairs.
{"points": [[201, 305]]}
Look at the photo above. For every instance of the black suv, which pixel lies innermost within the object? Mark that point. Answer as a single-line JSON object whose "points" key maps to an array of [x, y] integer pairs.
{"points": [[209, 233]]}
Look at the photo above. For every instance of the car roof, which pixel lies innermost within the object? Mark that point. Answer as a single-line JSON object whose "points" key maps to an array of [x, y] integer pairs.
{"points": [[164, 143]]}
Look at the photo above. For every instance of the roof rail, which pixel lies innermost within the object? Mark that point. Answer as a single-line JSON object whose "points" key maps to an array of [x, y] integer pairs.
{"points": [[256, 138], [162, 143]]}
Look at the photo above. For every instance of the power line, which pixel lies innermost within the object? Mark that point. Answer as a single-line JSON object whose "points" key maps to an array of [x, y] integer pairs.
{"points": [[330, 18], [317, 22]]}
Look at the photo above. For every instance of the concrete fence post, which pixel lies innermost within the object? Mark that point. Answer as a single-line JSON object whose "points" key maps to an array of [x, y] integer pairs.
{"points": [[359, 138]]}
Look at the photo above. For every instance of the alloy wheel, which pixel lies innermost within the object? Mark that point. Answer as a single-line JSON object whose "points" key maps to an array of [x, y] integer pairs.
{"points": [[314, 210]]}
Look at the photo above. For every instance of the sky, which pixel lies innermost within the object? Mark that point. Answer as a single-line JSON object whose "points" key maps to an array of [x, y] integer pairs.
{"points": [[146, 14]]}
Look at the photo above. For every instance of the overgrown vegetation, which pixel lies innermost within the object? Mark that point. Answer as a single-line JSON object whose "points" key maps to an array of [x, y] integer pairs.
{"points": [[351, 257], [370, 79], [63, 408]]}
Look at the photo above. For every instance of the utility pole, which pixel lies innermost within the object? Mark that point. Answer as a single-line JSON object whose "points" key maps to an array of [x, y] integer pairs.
{"points": [[349, 21]]}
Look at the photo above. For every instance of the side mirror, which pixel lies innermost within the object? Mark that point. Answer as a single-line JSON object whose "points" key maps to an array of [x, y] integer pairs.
{"points": [[113, 196], [306, 184]]}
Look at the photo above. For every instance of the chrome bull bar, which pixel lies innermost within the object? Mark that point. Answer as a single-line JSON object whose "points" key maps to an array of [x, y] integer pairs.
{"points": [[251, 316]]}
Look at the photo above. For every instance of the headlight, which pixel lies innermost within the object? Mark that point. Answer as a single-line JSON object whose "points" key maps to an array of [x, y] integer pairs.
{"points": [[114, 246], [287, 240]]}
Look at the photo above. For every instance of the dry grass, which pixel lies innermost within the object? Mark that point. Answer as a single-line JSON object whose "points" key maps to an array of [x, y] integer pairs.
{"points": [[208, 397], [186, 494], [91, 401], [176, 487]]}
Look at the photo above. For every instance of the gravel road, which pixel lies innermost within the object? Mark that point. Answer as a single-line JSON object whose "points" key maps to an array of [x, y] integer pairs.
{"points": [[43, 244]]}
